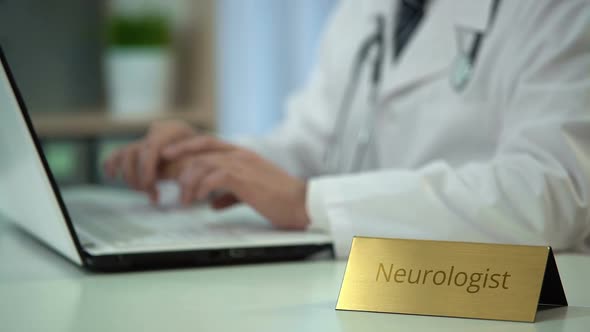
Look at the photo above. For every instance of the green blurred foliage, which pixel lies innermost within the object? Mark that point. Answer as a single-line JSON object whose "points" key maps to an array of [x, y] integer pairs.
{"points": [[62, 160], [148, 30], [67, 160]]}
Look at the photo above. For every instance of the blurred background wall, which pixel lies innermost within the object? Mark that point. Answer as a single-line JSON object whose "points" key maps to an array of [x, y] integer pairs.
{"points": [[233, 63], [265, 50]]}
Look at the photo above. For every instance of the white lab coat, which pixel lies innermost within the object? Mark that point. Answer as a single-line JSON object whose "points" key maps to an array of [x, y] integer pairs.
{"points": [[506, 160]]}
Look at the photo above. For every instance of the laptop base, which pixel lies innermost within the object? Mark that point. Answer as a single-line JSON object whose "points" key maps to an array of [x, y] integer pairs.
{"points": [[208, 257]]}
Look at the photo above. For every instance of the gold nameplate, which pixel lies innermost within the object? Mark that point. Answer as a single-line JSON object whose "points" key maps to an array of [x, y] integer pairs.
{"points": [[455, 279]]}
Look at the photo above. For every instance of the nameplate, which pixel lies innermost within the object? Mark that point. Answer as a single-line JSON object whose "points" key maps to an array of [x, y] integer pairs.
{"points": [[453, 279]]}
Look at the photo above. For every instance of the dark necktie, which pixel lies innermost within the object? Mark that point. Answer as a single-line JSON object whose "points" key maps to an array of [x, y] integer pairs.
{"points": [[409, 15]]}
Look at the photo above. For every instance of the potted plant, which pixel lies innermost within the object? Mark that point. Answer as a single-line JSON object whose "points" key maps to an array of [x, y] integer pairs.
{"points": [[138, 63]]}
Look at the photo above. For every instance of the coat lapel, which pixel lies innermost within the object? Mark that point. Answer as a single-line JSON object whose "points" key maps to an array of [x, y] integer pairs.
{"points": [[434, 45]]}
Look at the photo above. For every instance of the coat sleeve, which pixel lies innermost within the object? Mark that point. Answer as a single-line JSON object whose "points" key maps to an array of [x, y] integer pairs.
{"points": [[536, 188], [298, 144]]}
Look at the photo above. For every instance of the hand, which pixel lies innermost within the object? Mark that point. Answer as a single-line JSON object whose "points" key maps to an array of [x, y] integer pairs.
{"points": [[140, 162], [242, 175]]}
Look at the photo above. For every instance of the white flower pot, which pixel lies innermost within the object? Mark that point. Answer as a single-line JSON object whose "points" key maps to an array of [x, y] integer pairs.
{"points": [[138, 80]]}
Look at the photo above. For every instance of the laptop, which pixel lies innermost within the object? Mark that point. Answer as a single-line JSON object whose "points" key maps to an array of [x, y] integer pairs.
{"points": [[108, 229]]}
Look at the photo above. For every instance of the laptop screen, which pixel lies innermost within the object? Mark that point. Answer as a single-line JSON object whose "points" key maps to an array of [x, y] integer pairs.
{"points": [[28, 194]]}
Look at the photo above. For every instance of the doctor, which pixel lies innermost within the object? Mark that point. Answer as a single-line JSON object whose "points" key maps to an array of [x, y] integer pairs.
{"points": [[442, 119]]}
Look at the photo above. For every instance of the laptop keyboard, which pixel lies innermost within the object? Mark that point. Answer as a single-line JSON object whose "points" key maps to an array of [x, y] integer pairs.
{"points": [[124, 226], [108, 224], [120, 222]]}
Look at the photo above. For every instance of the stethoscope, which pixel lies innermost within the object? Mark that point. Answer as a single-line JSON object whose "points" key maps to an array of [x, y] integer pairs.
{"points": [[334, 157], [464, 63], [461, 73]]}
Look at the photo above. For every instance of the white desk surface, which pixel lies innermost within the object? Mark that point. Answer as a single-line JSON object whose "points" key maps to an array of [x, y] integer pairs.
{"points": [[41, 291]]}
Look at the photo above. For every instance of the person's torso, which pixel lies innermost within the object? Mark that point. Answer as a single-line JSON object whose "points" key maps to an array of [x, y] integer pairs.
{"points": [[420, 114]]}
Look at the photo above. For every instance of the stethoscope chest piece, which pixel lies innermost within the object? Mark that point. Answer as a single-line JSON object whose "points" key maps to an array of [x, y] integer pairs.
{"points": [[460, 72], [462, 68]]}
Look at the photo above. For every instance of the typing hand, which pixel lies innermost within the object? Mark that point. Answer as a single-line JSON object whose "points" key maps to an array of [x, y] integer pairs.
{"points": [[140, 162], [215, 166]]}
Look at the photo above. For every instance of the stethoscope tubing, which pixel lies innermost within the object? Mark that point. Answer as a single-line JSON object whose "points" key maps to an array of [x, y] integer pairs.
{"points": [[334, 156]]}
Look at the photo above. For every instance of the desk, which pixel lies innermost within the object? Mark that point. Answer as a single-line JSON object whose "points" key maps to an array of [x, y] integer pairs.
{"points": [[89, 127], [40, 291]]}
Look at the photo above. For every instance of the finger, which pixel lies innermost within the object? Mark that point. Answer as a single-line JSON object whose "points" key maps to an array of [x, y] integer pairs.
{"points": [[195, 145], [189, 181], [129, 167], [148, 164], [219, 179], [113, 163], [224, 201], [213, 159], [172, 169]]}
